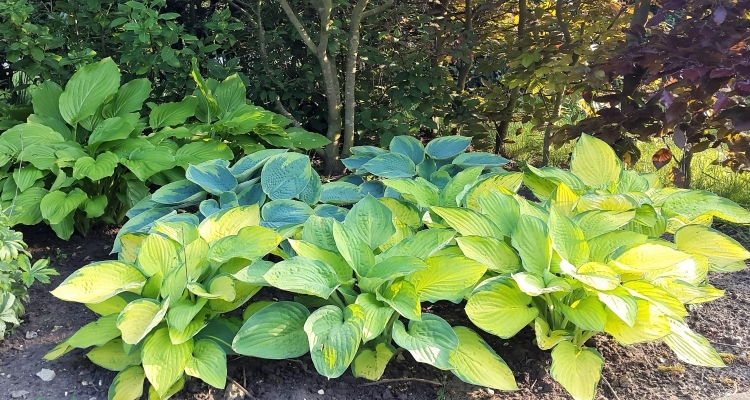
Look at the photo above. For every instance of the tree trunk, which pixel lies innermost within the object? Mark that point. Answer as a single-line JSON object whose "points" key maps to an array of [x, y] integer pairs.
{"points": [[350, 77], [548, 129], [640, 13], [501, 132]]}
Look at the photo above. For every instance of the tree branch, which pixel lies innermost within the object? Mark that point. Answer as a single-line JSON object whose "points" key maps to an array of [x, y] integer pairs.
{"points": [[377, 10], [298, 25]]}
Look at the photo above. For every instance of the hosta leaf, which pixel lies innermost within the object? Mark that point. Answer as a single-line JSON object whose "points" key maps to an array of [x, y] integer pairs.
{"points": [[468, 222], [95, 333], [340, 193], [46, 99], [319, 231], [691, 347], [534, 285], [26, 177], [595, 162], [57, 205], [139, 318], [408, 146], [209, 363], [597, 275], [720, 249], [311, 193], [278, 213], [110, 129], [588, 314], [696, 203], [87, 89], [494, 253], [179, 192], [213, 178], [158, 254], [284, 176], [102, 167], [377, 315], [372, 221], [391, 165], [230, 94], [447, 147], [422, 245], [448, 197], [480, 159], [305, 140], [547, 340], [370, 362], [164, 362], [229, 222], [220, 287], [303, 275], [202, 151], [334, 335], [129, 98], [621, 303], [475, 362], [246, 166], [275, 332], [650, 324], [309, 250], [99, 281], [431, 341], [250, 242], [578, 370], [659, 297], [448, 277], [403, 297], [419, 191], [145, 162], [128, 384], [170, 114], [27, 208], [647, 257], [353, 249], [112, 356], [499, 307], [95, 207]]}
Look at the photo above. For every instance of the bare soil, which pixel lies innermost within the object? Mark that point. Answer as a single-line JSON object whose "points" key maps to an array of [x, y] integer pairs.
{"points": [[648, 371]]}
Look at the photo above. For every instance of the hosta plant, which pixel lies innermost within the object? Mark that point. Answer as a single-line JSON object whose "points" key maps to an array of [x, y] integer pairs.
{"points": [[591, 259], [17, 274], [162, 303], [366, 282]]}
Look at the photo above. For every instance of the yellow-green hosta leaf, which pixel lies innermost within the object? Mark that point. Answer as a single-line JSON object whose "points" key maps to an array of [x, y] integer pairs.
{"points": [[57, 205], [183, 311], [128, 384], [534, 285], [275, 332], [456, 185], [220, 287], [195, 325], [419, 190], [370, 363], [595, 163], [493, 253], [253, 273], [153, 286], [533, 244], [546, 339], [720, 249], [334, 335], [112, 356], [372, 221], [139, 318], [596, 222], [353, 249], [602, 246], [158, 254], [564, 199], [209, 363], [309, 250], [506, 183], [692, 204], [468, 222], [691, 347], [646, 257], [422, 245], [650, 324], [567, 238], [102, 167], [597, 275], [621, 303], [303, 275], [228, 222], [95, 333], [659, 297], [174, 389], [499, 307], [588, 314], [377, 315], [577, 370], [113, 305], [688, 293], [163, 362], [403, 212], [502, 209], [430, 341], [403, 297], [449, 277], [606, 202], [99, 281], [475, 362], [130, 245], [174, 284], [250, 242]]}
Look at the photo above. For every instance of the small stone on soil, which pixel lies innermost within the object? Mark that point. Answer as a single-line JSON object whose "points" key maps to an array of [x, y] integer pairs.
{"points": [[46, 374], [18, 393], [321, 392], [31, 334]]}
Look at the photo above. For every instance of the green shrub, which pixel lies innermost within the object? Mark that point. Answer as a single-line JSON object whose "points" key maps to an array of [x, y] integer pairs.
{"points": [[17, 274], [161, 304]]}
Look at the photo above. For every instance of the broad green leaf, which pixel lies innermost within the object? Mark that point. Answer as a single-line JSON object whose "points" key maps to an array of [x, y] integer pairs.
{"points": [[102, 167], [170, 114], [139, 318], [567, 238], [46, 99], [213, 178], [129, 98], [692, 204], [446, 147], [595, 162], [209, 363], [594, 223], [457, 185], [691, 347], [477, 363], [228, 222], [339, 193], [128, 384], [372, 221], [659, 297], [422, 245], [113, 305], [377, 315], [319, 231], [353, 249], [481, 159], [309, 250], [370, 363], [305, 140], [42, 157], [95, 333], [588, 314], [650, 324], [507, 183], [112, 356], [164, 362], [285, 175], [547, 340], [597, 275], [468, 222], [251, 242], [403, 297], [408, 146], [578, 370], [303, 275], [394, 267], [274, 332], [502, 209], [22, 136], [57, 205], [230, 94], [499, 307], [99, 281], [27, 207], [533, 244], [491, 252], [182, 312], [720, 249], [447, 277], [64, 228], [430, 341], [26, 177], [419, 191], [201, 151], [110, 129], [334, 335], [95, 207], [220, 287], [87, 89], [145, 162]]}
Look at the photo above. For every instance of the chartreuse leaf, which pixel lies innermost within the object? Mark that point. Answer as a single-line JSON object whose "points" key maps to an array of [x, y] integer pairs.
{"points": [[285, 175], [533, 244], [139, 317], [353, 249], [602, 246], [377, 314], [128, 384], [303, 275], [102, 167], [620, 303], [468, 222], [692, 204], [164, 362], [334, 335], [546, 339], [720, 249], [182, 312], [447, 147], [309, 250], [396, 266], [502, 209], [209, 363], [113, 305], [274, 332], [422, 245], [371, 220], [578, 370], [403, 297], [94, 333], [57, 205], [646, 257], [567, 238], [659, 297], [220, 287], [494, 253], [594, 223], [588, 314], [430, 341], [597, 275], [112, 356], [650, 324], [371, 361], [99, 281], [87, 89], [595, 162], [534, 285], [228, 222], [419, 191], [475, 362], [691, 347], [176, 387], [449, 277], [251, 242], [499, 307], [158, 254]]}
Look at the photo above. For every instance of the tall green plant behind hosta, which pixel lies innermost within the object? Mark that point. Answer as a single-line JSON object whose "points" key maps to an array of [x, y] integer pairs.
{"points": [[87, 154]]}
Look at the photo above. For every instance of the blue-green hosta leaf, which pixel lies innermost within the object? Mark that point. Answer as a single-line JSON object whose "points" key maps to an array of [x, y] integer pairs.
{"points": [[104, 166], [87, 90], [391, 165], [163, 362], [311, 193], [408, 146], [202, 151], [475, 362], [578, 370], [305, 140], [128, 384], [170, 114], [112, 356], [145, 162], [334, 336], [57, 205], [278, 213], [26, 177], [228, 222], [99, 281], [110, 129], [209, 363], [440, 179], [129, 98], [372, 221], [448, 277], [431, 341], [179, 192], [403, 297], [250, 195], [303, 275], [329, 210], [284, 176], [215, 179], [275, 332], [499, 307], [691, 347], [447, 147], [251, 242], [374, 188], [480, 159], [595, 163], [139, 317], [340, 193], [370, 362], [246, 166], [95, 207]]}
